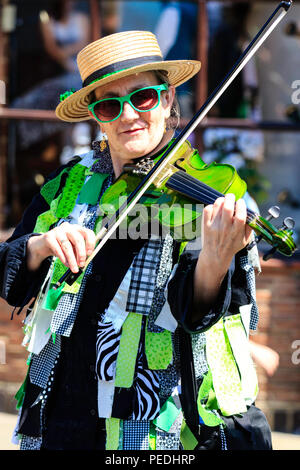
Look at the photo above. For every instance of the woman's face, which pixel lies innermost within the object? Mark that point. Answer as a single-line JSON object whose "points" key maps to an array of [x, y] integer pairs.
{"points": [[135, 134]]}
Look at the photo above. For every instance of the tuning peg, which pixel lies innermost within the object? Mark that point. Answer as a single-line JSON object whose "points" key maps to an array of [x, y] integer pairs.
{"points": [[269, 254], [288, 224], [274, 213]]}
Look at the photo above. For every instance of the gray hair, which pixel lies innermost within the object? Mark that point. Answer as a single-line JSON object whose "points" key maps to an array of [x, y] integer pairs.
{"points": [[174, 119]]}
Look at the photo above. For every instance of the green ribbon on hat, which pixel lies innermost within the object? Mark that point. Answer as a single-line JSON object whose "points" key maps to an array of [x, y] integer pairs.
{"points": [[66, 94]]}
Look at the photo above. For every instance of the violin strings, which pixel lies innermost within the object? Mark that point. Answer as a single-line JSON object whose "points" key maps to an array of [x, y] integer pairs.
{"points": [[210, 193], [192, 187], [207, 195]]}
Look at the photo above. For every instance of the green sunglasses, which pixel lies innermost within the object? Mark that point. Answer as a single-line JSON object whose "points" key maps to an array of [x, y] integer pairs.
{"points": [[142, 100]]}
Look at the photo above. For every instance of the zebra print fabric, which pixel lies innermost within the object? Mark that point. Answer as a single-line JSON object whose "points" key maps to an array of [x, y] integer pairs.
{"points": [[146, 402], [107, 347]]}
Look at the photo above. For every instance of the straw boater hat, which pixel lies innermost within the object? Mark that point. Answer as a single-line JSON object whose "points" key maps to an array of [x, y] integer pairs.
{"points": [[116, 56]]}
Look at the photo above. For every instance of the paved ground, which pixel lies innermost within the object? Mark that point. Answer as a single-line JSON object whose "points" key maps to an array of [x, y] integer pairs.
{"points": [[7, 425], [281, 441]]}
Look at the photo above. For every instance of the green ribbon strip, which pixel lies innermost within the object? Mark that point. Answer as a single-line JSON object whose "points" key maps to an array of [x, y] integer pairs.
{"points": [[167, 415], [52, 298], [187, 438], [91, 189], [152, 436], [129, 343], [206, 402], [71, 190], [239, 343], [19, 396], [225, 374], [49, 190], [158, 348], [112, 433]]}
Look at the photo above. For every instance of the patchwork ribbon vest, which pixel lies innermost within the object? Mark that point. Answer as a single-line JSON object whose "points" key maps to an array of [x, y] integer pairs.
{"points": [[137, 341]]}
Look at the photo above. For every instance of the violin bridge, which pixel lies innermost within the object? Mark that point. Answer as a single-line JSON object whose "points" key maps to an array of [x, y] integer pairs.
{"points": [[164, 174]]}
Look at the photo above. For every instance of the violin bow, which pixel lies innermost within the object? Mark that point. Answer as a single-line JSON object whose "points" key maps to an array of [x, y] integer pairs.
{"points": [[113, 223]]}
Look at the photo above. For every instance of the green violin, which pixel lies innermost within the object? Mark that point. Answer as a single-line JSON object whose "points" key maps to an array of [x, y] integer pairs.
{"points": [[173, 198]]}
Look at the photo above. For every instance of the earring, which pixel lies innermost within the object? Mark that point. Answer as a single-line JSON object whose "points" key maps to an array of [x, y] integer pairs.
{"points": [[103, 145], [103, 141]]}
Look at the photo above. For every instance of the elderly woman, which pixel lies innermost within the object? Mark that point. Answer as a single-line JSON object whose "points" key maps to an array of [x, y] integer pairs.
{"points": [[148, 348]]}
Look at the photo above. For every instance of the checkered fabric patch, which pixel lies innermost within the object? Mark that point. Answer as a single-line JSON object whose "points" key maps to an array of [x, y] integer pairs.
{"points": [[30, 443], [169, 440], [162, 276], [42, 364], [250, 276], [66, 311], [136, 435], [168, 380], [143, 279], [198, 345]]}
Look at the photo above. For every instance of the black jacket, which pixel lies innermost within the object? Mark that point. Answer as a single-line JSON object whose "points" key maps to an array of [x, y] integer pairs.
{"points": [[72, 420]]}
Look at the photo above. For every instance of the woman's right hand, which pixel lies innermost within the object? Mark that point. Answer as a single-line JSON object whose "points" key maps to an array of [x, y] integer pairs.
{"points": [[71, 243]]}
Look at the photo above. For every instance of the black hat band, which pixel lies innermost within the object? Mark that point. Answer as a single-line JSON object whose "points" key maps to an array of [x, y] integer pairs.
{"points": [[118, 66]]}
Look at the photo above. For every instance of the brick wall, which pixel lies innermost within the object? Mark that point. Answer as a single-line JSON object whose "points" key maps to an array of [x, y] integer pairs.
{"points": [[13, 357], [278, 288], [278, 296]]}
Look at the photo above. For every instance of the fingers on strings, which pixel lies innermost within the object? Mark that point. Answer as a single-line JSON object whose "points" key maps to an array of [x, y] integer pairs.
{"points": [[226, 211]]}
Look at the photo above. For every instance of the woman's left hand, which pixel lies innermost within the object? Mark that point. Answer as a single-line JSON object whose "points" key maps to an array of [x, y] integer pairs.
{"points": [[224, 233], [224, 230]]}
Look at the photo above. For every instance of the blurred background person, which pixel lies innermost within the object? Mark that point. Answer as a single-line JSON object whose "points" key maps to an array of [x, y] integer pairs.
{"points": [[64, 31], [176, 31]]}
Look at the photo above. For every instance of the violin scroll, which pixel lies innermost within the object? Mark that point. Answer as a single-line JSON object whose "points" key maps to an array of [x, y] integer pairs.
{"points": [[281, 239], [274, 212]]}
